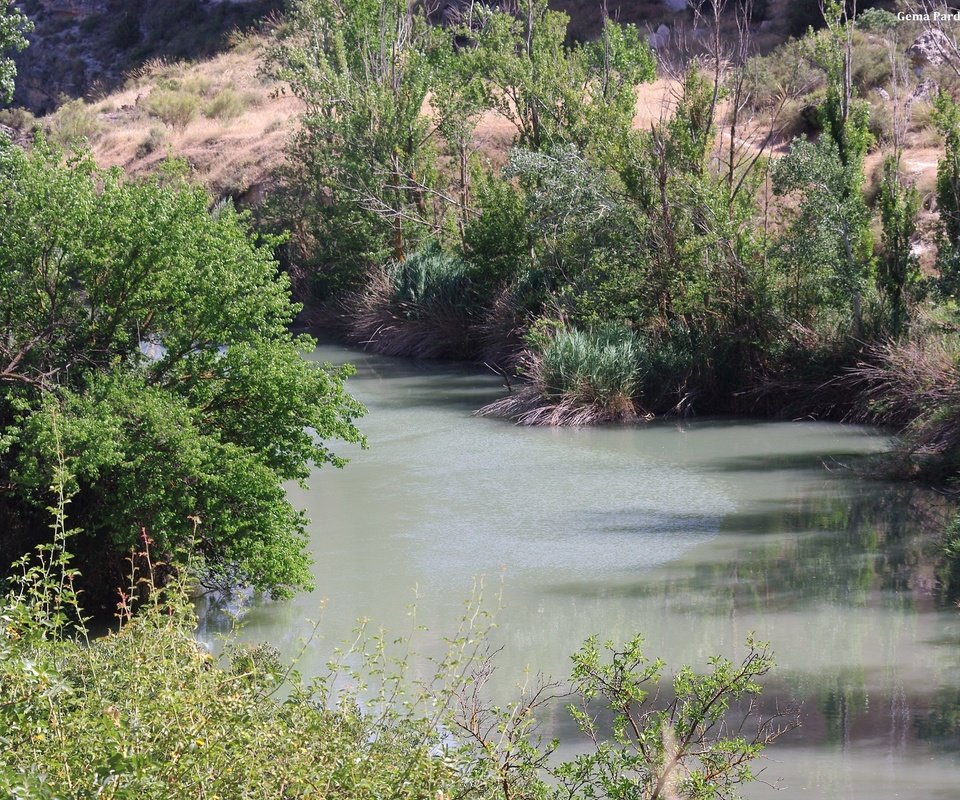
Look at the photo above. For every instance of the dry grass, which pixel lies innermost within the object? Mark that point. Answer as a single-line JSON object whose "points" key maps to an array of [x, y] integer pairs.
{"points": [[233, 152], [655, 102], [528, 406], [901, 382], [914, 387]]}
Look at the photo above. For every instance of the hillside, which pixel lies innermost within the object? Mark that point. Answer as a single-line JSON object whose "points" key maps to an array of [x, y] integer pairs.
{"points": [[230, 122], [227, 120], [84, 48]]}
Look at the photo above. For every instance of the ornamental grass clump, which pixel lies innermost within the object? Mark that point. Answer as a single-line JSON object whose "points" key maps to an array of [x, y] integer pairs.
{"points": [[578, 377], [429, 279], [599, 366], [423, 306]]}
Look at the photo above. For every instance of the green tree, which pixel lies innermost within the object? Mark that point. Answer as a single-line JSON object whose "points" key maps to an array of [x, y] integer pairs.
{"points": [[458, 100], [821, 254], [847, 120], [897, 271], [13, 26], [363, 178], [826, 255], [146, 341], [554, 93], [947, 117]]}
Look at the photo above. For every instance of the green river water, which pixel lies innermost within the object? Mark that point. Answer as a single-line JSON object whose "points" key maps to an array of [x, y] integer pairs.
{"points": [[694, 533]]}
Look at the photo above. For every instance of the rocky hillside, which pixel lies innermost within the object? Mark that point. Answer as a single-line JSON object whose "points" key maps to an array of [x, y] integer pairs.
{"points": [[83, 48], [230, 123]]}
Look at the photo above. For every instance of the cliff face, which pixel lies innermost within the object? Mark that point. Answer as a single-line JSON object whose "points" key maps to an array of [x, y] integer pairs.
{"points": [[81, 47]]}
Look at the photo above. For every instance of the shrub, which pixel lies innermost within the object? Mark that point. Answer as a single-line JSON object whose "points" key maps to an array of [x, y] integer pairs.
{"points": [[877, 20], [151, 144], [74, 122], [423, 307], [496, 240], [922, 117], [175, 107], [196, 83], [881, 119], [19, 119], [145, 713], [154, 70], [225, 105], [428, 279], [870, 62], [785, 72]]}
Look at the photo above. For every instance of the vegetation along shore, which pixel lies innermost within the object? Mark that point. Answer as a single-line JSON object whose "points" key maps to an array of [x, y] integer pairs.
{"points": [[753, 210]]}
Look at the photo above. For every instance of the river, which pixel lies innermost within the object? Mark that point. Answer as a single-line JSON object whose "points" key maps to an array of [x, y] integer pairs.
{"points": [[693, 533]]}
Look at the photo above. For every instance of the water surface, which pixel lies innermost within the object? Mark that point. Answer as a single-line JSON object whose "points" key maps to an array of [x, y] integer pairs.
{"points": [[693, 533]]}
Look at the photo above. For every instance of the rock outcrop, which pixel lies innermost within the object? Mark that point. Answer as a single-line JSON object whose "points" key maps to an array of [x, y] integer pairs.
{"points": [[931, 47]]}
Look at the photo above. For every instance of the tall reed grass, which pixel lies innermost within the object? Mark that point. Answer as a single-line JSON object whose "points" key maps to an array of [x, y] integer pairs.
{"points": [[578, 377], [422, 307], [913, 386]]}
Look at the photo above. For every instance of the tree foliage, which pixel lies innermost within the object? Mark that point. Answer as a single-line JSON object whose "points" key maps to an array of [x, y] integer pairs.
{"points": [[554, 93], [947, 118], [746, 277], [897, 272], [146, 341], [828, 251], [363, 162], [13, 26], [661, 750], [365, 179], [822, 256]]}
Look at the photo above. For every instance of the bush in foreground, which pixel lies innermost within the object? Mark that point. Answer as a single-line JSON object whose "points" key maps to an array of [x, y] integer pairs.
{"points": [[145, 712]]}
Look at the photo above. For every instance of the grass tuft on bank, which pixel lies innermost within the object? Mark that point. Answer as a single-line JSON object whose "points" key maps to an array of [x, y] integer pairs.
{"points": [[577, 377], [421, 307]]}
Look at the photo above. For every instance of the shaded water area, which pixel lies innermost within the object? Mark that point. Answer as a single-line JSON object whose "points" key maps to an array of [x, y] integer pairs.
{"points": [[694, 533]]}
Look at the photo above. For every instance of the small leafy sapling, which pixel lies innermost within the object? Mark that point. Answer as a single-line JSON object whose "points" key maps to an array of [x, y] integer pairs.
{"points": [[653, 741]]}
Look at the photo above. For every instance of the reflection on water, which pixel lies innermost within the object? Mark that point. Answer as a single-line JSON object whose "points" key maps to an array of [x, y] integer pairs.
{"points": [[694, 534]]}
